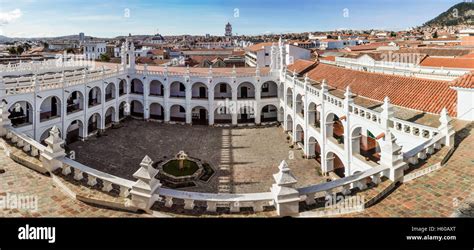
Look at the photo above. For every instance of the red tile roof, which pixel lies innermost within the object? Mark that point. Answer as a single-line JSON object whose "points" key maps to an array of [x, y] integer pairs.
{"points": [[369, 46], [462, 63], [467, 81], [258, 46], [414, 93], [301, 66]]}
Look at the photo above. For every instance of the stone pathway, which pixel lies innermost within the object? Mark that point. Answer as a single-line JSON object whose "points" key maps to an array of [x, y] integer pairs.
{"points": [[51, 201]]}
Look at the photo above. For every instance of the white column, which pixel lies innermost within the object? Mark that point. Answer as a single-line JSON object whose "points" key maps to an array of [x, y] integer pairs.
{"points": [[210, 98], [258, 91], [166, 106], [189, 93], [285, 106], [347, 126], [146, 101], [294, 108], [323, 91], [234, 103], [306, 116]]}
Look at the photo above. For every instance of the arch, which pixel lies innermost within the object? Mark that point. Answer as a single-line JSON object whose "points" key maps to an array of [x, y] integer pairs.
{"points": [[336, 130], [289, 97], [122, 87], [299, 134], [94, 97], [136, 109], [177, 89], [299, 105], [269, 89], [136, 87], [110, 92], [200, 115], [50, 108], [364, 144], [93, 124], [177, 113], [199, 91], [45, 135], [335, 164], [314, 149], [222, 115], [246, 90], [21, 114], [314, 116], [122, 110], [222, 90], [289, 123], [157, 111], [156, 88], [246, 115], [269, 113], [75, 131], [109, 116], [75, 102]]}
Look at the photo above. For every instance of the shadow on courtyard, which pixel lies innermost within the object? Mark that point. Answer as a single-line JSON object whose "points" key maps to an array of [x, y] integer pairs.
{"points": [[247, 158]]}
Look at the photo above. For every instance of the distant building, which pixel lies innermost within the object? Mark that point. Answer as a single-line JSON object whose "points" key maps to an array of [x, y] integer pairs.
{"points": [[260, 54], [93, 49], [228, 30], [156, 39], [81, 37], [214, 45], [62, 45]]}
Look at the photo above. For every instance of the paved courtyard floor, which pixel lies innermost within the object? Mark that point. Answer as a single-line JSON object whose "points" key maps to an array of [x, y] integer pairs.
{"points": [[40, 192], [244, 158]]}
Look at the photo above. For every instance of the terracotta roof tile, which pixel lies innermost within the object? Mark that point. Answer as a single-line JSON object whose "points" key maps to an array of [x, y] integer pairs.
{"points": [[258, 46], [467, 81], [413, 93], [463, 63], [301, 66]]}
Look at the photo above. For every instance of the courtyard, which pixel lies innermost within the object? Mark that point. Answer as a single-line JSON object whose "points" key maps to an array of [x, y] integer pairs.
{"points": [[244, 159]]}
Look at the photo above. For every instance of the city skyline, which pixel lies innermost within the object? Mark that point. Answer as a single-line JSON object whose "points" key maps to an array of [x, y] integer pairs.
{"points": [[50, 18]]}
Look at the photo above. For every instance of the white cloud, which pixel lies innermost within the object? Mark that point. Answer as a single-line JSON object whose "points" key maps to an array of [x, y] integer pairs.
{"points": [[8, 17]]}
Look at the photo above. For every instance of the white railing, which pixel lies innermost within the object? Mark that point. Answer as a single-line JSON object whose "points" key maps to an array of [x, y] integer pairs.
{"points": [[70, 166], [309, 194], [23, 85], [23, 141], [366, 113], [414, 129], [426, 147], [257, 201]]}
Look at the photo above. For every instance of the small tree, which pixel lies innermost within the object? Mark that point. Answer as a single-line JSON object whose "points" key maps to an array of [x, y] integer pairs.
{"points": [[435, 35], [104, 58], [12, 50], [20, 50]]}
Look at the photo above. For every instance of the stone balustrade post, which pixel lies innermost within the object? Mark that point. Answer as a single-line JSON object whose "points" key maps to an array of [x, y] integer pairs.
{"points": [[286, 197], [446, 128], [392, 156], [4, 120], [143, 190], [54, 152]]}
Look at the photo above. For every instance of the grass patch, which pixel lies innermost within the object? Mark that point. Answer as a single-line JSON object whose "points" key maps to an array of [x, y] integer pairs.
{"points": [[172, 168]]}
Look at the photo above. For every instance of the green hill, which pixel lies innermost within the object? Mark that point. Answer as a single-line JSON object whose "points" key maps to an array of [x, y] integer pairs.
{"points": [[459, 14]]}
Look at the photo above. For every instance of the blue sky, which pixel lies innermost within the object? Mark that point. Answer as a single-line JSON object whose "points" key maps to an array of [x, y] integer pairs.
{"points": [[108, 18]]}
